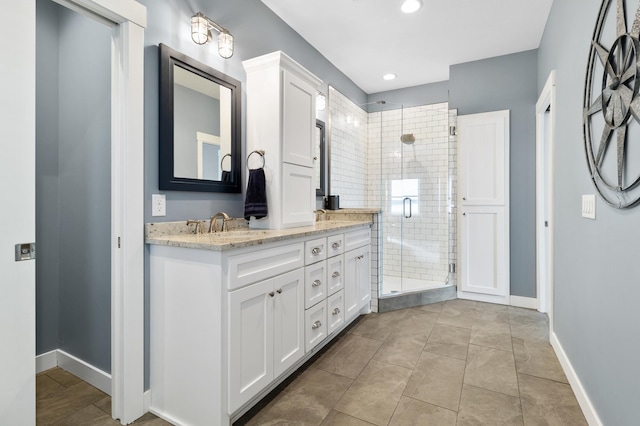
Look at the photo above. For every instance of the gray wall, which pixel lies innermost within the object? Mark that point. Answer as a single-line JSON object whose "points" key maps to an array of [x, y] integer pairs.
{"points": [[425, 94], [596, 313], [74, 218], [508, 82]]}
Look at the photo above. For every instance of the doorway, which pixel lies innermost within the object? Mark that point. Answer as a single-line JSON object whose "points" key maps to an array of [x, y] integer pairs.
{"points": [[545, 131]]}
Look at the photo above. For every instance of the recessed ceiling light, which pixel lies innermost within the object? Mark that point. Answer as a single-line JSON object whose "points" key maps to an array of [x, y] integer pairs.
{"points": [[410, 6], [389, 76]]}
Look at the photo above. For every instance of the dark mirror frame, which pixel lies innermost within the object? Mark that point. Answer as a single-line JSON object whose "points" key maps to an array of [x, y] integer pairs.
{"points": [[321, 192], [168, 180]]}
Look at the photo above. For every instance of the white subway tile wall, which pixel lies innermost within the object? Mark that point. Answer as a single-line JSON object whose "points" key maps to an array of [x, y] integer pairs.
{"points": [[413, 184]]}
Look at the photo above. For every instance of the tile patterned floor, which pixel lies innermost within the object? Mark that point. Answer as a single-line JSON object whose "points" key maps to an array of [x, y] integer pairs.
{"points": [[451, 363], [62, 399]]}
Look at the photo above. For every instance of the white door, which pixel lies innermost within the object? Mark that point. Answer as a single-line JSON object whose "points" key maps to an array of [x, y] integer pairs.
{"points": [[288, 320], [250, 341], [298, 121], [17, 215], [483, 200]]}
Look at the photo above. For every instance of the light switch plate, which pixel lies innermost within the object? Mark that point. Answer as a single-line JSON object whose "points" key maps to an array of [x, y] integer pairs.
{"points": [[589, 206], [158, 205]]}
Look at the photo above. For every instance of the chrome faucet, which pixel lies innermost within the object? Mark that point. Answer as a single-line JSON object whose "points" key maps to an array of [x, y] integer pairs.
{"points": [[198, 224], [318, 213], [213, 224]]}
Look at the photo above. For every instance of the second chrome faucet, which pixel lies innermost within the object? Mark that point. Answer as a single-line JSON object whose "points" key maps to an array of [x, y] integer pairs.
{"points": [[213, 224]]}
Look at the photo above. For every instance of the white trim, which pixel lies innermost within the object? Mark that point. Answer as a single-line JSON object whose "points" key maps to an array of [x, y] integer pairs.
{"points": [[147, 400], [479, 297], [545, 147], [46, 361], [87, 372], [79, 368], [523, 302], [587, 407]]}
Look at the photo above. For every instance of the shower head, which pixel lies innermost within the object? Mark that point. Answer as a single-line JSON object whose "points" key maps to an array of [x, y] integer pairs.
{"points": [[408, 138]]}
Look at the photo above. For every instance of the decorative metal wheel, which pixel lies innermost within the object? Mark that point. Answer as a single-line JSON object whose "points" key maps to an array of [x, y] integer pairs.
{"points": [[612, 108]]}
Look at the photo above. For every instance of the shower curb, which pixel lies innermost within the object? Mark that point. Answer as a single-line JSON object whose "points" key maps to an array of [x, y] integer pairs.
{"points": [[410, 300]]}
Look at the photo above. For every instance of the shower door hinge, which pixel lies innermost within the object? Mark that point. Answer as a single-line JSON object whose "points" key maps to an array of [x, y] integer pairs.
{"points": [[453, 131], [452, 268]]}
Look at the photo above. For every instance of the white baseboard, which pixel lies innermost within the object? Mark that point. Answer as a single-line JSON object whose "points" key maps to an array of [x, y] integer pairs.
{"points": [[524, 302], [75, 366], [576, 385], [46, 361], [146, 400]]}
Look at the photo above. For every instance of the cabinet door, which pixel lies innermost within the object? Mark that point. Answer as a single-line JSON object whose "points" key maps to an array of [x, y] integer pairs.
{"points": [[315, 283], [363, 262], [298, 195], [351, 299], [298, 121], [288, 320], [335, 311], [250, 341]]}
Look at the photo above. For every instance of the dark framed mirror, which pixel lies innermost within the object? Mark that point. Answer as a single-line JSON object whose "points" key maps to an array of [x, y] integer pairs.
{"points": [[199, 126], [320, 159]]}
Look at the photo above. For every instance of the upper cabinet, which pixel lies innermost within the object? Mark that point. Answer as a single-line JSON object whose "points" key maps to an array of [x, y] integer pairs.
{"points": [[281, 121]]}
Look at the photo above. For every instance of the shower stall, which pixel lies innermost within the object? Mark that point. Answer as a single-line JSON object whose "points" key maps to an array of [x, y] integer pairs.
{"points": [[405, 167]]}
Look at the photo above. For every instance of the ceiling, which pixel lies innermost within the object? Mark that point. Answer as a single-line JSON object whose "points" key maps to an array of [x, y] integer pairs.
{"points": [[366, 39]]}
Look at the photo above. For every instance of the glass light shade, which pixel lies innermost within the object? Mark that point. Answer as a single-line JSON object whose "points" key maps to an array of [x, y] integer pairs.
{"points": [[410, 6], [225, 45], [200, 33]]}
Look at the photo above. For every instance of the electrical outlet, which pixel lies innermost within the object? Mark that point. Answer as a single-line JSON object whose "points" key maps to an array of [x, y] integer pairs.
{"points": [[158, 205], [589, 206]]}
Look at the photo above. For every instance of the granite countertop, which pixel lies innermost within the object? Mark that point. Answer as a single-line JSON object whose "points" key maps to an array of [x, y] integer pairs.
{"points": [[171, 234]]}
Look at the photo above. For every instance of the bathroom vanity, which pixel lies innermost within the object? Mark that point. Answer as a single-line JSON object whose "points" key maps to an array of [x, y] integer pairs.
{"points": [[234, 313]]}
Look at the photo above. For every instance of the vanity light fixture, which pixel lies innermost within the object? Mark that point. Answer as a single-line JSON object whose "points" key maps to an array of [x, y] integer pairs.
{"points": [[321, 101], [389, 76], [411, 6], [201, 34]]}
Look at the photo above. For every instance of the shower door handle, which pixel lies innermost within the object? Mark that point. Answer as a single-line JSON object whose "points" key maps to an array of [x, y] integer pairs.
{"points": [[404, 207]]}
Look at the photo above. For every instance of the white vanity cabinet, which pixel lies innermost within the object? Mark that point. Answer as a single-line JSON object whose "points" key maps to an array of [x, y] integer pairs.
{"points": [[357, 272], [281, 120], [226, 326], [266, 334]]}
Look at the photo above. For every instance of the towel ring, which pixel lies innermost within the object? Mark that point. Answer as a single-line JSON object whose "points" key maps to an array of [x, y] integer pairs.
{"points": [[223, 157], [260, 152]]}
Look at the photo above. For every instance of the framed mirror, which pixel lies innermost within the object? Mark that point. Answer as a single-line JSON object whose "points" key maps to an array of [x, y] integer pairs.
{"points": [[199, 126], [320, 158]]}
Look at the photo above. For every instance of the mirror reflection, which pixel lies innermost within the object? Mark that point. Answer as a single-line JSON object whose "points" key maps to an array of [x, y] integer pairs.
{"points": [[320, 159], [202, 130]]}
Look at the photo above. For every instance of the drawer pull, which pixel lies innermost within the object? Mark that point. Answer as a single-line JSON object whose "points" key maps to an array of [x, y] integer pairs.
{"points": [[279, 291], [316, 324], [336, 274], [316, 251], [336, 311], [335, 245], [271, 293], [316, 283]]}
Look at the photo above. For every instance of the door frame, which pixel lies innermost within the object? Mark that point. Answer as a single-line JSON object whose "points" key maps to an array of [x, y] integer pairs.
{"points": [[127, 19], [545, 146]]}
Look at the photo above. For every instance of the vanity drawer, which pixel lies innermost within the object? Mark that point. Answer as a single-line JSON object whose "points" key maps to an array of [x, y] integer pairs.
{"points": [[248, 268], [356, 239], [315, 283], [315, 250], [335, 245], [335, 312], [335, 274], [315, 325]]}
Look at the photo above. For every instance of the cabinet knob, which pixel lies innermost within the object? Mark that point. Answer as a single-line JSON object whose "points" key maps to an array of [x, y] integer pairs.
{"points": [[359, 257], [271, 293], [335, 245], [464, 214], [464, 198], [316, 251], [316, 324], [279, 291], [316, 283], [336, 311], [336, 274]]}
